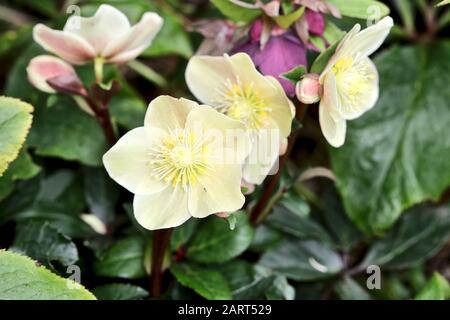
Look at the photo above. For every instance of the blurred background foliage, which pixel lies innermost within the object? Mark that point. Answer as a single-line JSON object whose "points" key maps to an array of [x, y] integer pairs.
{"points": [[387, 204]]}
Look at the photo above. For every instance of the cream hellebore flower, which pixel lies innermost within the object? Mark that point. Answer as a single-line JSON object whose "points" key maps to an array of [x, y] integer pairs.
{"points": [[350, 80], [233, 86], [106, 36], [185, 161]]}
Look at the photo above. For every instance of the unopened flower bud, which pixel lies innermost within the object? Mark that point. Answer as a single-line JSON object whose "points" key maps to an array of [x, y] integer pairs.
{"points": [[308, 89], [43, 68]]}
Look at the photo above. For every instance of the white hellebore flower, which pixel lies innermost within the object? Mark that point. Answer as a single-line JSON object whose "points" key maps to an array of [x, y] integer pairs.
{"points": [[185, 161], [350, 80], [107, 35], [233, 86]]}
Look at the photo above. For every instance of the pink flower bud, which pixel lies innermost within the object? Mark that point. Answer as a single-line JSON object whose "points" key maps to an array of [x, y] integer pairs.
{"points": [[223, 214], [308, 89], [43, 68]]}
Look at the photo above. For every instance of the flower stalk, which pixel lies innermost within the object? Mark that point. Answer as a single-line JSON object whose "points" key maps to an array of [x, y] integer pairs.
{"points": [[161, 240]]}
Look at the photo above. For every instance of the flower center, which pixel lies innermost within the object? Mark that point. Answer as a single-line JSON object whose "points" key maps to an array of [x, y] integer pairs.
{"points": [[242, 102], [353, 81], [181, 159]]}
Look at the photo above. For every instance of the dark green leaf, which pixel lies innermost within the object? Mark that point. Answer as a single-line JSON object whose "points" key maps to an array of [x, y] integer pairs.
{"points": [[337, 221], [209, 284], [44, 243], [101, 193], [392, 152], [265, 238], [419, 235], [302, 260], [66, 132], [214, 241], [297, 226], [322, 60], [20, 169], [124, 259], [349, 289], [119, 291]]}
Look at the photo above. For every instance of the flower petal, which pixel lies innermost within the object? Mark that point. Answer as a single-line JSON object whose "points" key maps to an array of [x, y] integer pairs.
{"points": [[282, 109], [370, 97], [44, 67], [165, 209], [264, 155], [333, 130], [130, 44], [370, 39], [68, 46], [217, 192], [127, 162], [168, 113], [333, 126], [108, 23], [207, 76], [227, 133]]}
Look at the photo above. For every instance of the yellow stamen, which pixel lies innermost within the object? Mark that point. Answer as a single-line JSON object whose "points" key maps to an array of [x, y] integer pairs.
{"points": [[242, 102], [181, 159], [353, 81]]}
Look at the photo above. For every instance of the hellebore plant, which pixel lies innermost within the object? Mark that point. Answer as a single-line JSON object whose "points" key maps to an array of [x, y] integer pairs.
{"points": [[233, 86], [186, 161]]}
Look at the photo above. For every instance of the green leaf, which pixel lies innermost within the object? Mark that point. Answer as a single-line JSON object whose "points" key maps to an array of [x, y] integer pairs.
{"points": [[437, 288], [209, 284], [182, 234], [295, 203], [332, 33], [443, 3], [214, 241], [265, 238], [172, 39], [59, 216], [349, 289], [392, 152], [238, 273], [21, 168], [127, 110], [295, 74], [235, 12], [302, 260], [66, 132], [362, 9], [281, 290], [44, 243], [101, 193], [297, 226], [22, 279], [124, 259], [147, 72], [119, 291], [346, 233], [419, 235], [285, 21], [15, 121], [322, 60], [406, 10]]}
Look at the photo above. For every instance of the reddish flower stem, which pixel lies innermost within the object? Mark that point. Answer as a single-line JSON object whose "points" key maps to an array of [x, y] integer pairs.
{"points": [[161, 240]]}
